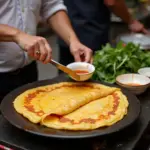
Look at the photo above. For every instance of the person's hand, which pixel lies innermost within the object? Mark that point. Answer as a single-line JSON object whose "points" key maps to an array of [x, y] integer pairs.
{"points": [[36, 47], [136, 26], [80, 52]]}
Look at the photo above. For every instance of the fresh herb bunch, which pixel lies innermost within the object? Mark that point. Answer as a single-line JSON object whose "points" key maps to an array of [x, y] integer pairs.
{"points": [[111, 62]]}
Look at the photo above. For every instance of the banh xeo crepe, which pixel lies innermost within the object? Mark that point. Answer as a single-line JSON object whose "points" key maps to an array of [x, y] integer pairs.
{"points": [[59, 99], [49, 104], [101, 112]]}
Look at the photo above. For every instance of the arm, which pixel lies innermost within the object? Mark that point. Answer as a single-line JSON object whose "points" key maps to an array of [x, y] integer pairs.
{"points": [[27, 42], [119, 8], [54, 12], [7, 33], [60, 23]]}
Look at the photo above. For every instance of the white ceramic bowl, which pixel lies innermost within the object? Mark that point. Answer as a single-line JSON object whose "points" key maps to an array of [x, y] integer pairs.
{"points": [[82, 66], [145, 71], [136, 83]]}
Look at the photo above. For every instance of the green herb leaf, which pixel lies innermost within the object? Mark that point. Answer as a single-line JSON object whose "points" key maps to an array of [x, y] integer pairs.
{"points": [[111, 62]]}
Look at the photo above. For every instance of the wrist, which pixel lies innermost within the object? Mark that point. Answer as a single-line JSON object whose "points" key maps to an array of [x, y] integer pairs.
{"points": [[73, 39], [127, 18], [16, 36]]}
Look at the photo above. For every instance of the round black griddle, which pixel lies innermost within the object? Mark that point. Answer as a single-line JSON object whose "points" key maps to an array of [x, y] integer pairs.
{"points": [[22, 123]]}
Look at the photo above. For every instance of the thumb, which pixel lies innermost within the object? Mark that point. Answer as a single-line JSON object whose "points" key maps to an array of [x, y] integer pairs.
{"points": [[91, 61], [88, 55]]}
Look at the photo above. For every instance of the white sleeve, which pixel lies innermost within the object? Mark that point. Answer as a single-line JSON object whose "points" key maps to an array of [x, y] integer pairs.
{"points": [[50, 7]]}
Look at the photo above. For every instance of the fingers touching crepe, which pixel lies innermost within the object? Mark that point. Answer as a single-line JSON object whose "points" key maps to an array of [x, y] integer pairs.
{"points": [[72, 105]]}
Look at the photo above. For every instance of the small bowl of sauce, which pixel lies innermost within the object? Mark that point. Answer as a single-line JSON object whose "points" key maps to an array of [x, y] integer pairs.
{"points": [[84, 70], [136, 83]]}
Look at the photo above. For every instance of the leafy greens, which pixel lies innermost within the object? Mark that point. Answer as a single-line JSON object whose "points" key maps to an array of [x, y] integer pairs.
{"points": [[111, 62]]}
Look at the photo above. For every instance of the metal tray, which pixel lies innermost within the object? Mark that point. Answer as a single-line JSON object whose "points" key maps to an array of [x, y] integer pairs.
{"points": [[136, 38]]}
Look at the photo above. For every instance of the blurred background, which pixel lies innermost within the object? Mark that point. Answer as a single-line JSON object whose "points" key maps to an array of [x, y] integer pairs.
{"points": [[140, 9]]}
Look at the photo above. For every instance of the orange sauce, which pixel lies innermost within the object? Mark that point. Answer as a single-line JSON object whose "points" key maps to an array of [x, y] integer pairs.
{"points": [[133, 84], [81, 71]]}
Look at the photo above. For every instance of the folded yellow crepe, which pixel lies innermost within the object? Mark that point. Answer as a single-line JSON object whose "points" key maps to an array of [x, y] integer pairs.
{"points": [[48, 103], [99, 113], [67, 97]]}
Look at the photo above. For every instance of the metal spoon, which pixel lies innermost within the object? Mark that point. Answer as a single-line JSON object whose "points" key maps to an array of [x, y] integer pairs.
{"points": [[65, 69]]}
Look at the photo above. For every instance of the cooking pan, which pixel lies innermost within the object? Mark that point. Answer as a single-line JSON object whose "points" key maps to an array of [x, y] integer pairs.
{"points": [[22, 123]]}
